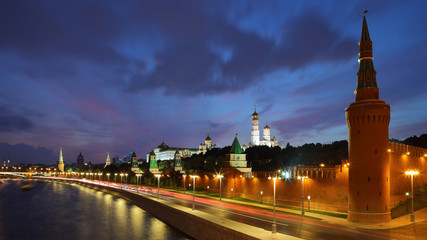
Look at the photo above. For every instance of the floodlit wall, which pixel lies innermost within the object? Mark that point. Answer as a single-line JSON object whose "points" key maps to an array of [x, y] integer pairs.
{"points": [[327, 186]]}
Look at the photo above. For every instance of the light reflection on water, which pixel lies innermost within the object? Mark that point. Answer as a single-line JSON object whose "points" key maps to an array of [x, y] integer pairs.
{"points": [[68, 211]]}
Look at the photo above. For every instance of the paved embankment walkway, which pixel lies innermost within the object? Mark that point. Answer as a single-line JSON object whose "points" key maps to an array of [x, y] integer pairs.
{"points": [[405, 220]]}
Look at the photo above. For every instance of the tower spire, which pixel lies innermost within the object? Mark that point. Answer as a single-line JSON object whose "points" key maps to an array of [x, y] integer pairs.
{"points": [[60, 161], [366, 76]]}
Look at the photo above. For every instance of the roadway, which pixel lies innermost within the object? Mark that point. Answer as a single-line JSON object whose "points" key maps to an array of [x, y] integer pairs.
{"points": [[296, 226], [287, 224]]}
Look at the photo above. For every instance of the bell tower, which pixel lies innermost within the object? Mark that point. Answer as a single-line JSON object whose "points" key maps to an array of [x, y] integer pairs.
{"points": [[255, 129], [367, 120]]}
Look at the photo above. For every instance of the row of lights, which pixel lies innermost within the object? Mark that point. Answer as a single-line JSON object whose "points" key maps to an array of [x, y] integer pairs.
{"points": [[407, 153]]}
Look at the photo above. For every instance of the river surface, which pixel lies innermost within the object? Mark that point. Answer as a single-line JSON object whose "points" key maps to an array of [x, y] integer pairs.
{"points": [[52, 210]]}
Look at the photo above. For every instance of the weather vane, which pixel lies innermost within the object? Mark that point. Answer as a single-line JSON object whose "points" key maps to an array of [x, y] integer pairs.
{"points": [[365, 12]]}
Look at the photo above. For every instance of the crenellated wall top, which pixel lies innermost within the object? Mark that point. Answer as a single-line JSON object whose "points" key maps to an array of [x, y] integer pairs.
{"points": [[400, 148]]}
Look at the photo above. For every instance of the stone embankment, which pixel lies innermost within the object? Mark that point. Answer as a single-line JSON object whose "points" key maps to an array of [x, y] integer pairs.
{"points": [[196, 224]]}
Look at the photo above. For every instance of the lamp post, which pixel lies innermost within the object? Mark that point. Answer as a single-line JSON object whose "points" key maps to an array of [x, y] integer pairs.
{"points": [[185, 175], [220, 177], [121, 178], [412, 173], [274, 226], [115, 177], [126, 178], [108, 176], [302, 184], [138, 176], [158, 185], [407, 202], [194, 187], [308, 203]]}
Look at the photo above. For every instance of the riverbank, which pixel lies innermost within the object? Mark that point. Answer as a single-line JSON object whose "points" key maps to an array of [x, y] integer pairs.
{"points": [[194, 223]]}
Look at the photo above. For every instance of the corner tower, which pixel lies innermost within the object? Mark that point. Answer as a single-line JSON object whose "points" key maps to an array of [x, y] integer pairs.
{"points": [[368, 120], [255, 129]]}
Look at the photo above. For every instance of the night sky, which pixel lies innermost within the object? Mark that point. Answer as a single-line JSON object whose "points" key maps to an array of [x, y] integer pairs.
{"points": [[120, 76]]}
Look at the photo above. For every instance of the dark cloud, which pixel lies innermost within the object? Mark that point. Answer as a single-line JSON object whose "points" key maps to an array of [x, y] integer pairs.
{"points": [[33, 30], [306, 119], [189, 65], [12, 122], [203, 53]]}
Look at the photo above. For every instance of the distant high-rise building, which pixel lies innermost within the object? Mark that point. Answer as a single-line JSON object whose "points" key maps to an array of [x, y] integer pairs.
{"points": [[60, 161], [368, 120]]}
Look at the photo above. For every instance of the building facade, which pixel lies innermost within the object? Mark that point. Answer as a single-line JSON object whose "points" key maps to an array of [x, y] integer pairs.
{"points": [[237, 159], [207, 145], [164, 152]]}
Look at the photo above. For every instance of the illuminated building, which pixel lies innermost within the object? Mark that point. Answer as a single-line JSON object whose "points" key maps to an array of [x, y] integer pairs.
{"points": [[60, 161], [134, 164], [154, 167], [207, 145], [107, 161], [255, 138], [178, 162], [368, 121], [237, 159]]}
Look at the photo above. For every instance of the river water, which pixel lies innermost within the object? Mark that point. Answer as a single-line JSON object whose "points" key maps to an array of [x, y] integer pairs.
{"points": [[52, 210]]}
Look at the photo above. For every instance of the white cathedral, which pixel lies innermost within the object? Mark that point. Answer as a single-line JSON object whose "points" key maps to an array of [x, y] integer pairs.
{"points": [[266, 139]]}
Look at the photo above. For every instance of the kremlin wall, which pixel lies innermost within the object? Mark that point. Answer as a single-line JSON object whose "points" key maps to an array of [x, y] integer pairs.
{"points": [[327, 186]]}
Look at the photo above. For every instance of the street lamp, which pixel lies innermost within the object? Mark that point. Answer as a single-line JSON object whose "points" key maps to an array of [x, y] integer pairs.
{"points": [[115, 177], [126, 178], [274, 226], [308, 203], [185, 175], [158, 185], [220, 177], [108, 175], [121, 178], [138, 176], [299, 177], [412, 173], [194, 187]]}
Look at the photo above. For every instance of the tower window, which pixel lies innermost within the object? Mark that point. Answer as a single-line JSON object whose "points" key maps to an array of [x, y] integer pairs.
{"points": [[358, 132], [380, 193], [376, 152], [367, 207], [369, 179], [357, 193]]}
